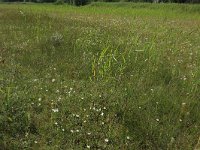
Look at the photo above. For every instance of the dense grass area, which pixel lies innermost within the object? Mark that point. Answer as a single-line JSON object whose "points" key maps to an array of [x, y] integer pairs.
{"points": [[102, 76], [182, 8]]}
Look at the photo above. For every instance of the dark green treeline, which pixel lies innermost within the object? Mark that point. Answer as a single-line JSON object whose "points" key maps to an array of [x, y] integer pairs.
{"points": [[84, 2]]}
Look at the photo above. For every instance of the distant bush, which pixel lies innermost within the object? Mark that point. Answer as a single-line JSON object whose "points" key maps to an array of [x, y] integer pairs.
{"points": [[59, 2], [80, 2]]}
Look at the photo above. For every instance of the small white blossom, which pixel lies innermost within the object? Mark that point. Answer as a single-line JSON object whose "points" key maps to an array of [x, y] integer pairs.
{"points": [[55, 110], [59, 98], [183, 104], [53, 80], [26, 134], [72, 131], [35, 80], [106, 140], [157, 120], [21, 12]]}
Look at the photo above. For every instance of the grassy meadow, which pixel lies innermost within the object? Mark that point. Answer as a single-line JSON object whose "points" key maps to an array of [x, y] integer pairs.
{"points": [[117, 76]]}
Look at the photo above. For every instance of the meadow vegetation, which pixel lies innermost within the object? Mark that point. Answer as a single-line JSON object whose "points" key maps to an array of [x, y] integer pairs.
{"points": [[102, 76]]}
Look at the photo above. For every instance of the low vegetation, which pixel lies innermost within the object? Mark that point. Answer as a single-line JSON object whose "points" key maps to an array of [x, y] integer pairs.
{"points": [[103, 76]]}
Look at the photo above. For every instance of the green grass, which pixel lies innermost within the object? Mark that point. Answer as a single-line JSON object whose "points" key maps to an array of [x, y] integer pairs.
{"points": [[103, 76]]}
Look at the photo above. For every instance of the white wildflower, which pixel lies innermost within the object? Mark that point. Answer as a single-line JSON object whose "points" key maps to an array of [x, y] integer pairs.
{"points": [[21, 12], [59, 98], [35, 80], [55, 110], [183, 104], [72, 131]]}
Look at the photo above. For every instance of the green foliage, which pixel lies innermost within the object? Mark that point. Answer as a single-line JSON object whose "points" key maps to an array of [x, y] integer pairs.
{"points": [[80, 2], [59, 2], [105, 76]]}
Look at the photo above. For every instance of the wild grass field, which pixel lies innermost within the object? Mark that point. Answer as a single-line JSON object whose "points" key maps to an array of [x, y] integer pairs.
{"points": [[117, 76]]}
